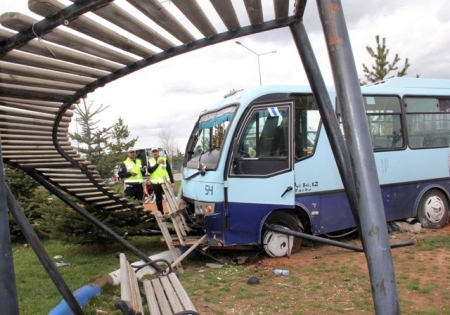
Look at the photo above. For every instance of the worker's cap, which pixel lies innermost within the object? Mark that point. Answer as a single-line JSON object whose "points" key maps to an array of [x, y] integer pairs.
{"points": [[131, 149], [155, 149]]}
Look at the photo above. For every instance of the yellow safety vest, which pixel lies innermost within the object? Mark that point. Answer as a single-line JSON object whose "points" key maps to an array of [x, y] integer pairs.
{"points": [[134, 167], [157, 177]]}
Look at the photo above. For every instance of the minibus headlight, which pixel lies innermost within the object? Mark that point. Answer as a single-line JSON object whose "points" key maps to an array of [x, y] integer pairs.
{"points": [[202, 208]]}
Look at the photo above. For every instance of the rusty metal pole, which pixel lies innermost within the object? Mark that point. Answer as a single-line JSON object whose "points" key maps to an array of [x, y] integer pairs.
{"points": [[41, 253], [370, 205], [8, 289]]}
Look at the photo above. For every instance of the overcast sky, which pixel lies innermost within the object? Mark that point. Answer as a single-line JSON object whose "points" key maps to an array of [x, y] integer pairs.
{"points": [[171, 94]]}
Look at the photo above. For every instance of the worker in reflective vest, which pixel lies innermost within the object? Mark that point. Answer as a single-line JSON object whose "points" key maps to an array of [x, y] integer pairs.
{"points": [[132, 170], [159, 168]]}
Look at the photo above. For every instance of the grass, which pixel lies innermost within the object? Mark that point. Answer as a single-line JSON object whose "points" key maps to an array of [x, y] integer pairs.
{"points": [[329, 287], [37, 293]]}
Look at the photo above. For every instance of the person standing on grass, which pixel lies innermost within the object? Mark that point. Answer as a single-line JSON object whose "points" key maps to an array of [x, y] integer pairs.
{"points": [[159, 168], [132, 170]]}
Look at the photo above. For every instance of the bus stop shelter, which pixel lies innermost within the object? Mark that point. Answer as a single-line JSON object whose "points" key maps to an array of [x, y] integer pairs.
{"points": [[39, 85]]}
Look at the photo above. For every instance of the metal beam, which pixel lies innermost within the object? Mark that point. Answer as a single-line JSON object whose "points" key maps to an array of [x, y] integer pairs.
{"points": [[42, 254], [8, 289], [94, 220], [327, 113], [374, 232]]}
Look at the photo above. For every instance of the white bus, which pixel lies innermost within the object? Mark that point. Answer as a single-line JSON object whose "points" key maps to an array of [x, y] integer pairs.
{"points": [[266, 159]]}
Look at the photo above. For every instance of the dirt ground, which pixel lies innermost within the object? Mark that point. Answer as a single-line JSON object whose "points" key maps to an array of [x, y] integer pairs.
{"points": [[152, 207], [325, 279]]}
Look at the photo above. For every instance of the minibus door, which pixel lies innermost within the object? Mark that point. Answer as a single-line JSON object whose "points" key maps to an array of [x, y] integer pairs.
{"points": [[260, 173]]}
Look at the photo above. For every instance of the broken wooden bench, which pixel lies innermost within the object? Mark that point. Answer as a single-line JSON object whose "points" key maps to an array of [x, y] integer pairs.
{"points": [[164, 295]]}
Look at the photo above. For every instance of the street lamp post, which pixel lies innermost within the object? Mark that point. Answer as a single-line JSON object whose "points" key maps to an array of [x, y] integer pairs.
{"points": [[257, 55]]}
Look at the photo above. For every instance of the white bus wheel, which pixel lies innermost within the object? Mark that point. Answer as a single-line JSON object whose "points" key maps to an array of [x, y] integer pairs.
{"points": [[277, 244], [433, 210]]}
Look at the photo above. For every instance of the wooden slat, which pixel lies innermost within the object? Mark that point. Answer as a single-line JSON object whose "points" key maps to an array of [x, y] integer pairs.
{"points": [[125, 290], [18, 21], [159, 14], [227, 13], [31, 137], [254, 11], [108, 202], [116, 15], [168, 239], [5, 116], [281, 8], [182, 295], [72, 185], [38, 90], [30, 101], [34, 72], [91, 28], [171, 295], [71, 180], [23, 58], [23, 126], [161, 297], [67, 170], [151, 298], [66, 175], [38, 159], [31, 147], [22, 80], [93, 199], [30, 142], [192, 10], [82, 190], [18, 152], [36, 109], [136, 302], [168, 192]]}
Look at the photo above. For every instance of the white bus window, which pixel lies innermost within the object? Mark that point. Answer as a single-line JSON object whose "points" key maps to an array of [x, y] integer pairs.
{"points": [[384, 121], [206, 140], [266, 134], [428, 121], [307, 119], [263, 142]]}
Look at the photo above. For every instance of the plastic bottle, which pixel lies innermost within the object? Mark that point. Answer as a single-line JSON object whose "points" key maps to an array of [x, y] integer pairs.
{"points": [[282, 272]]}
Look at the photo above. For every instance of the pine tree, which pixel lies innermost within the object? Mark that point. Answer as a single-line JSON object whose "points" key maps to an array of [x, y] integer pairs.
{"points": [[119, 134], [382, 67], [20, 184], [98, 147], [92, 139]]}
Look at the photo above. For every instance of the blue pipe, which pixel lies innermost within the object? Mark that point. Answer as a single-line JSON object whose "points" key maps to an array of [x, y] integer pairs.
{"points": [[82, 295]]}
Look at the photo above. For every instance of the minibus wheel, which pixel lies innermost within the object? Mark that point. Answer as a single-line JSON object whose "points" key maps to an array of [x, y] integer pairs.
{"points": [[278, 244], [433, 210]]}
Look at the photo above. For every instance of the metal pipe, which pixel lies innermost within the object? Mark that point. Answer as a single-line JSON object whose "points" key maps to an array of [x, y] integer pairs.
{"points": [[327, 113], [374, 234], [327, 241], [316, 238], [41, 253], [8, 289], [95, 221]]}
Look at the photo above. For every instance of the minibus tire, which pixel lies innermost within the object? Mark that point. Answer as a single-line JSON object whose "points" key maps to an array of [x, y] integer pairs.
{"points": [[426, 212], [289, 221]]}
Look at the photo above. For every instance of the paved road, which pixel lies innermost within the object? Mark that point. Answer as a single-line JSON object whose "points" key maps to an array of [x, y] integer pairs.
{"points": [[177, 176]]}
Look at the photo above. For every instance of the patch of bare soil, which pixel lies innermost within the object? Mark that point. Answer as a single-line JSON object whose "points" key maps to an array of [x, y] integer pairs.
{"points": [[325, 279]]}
